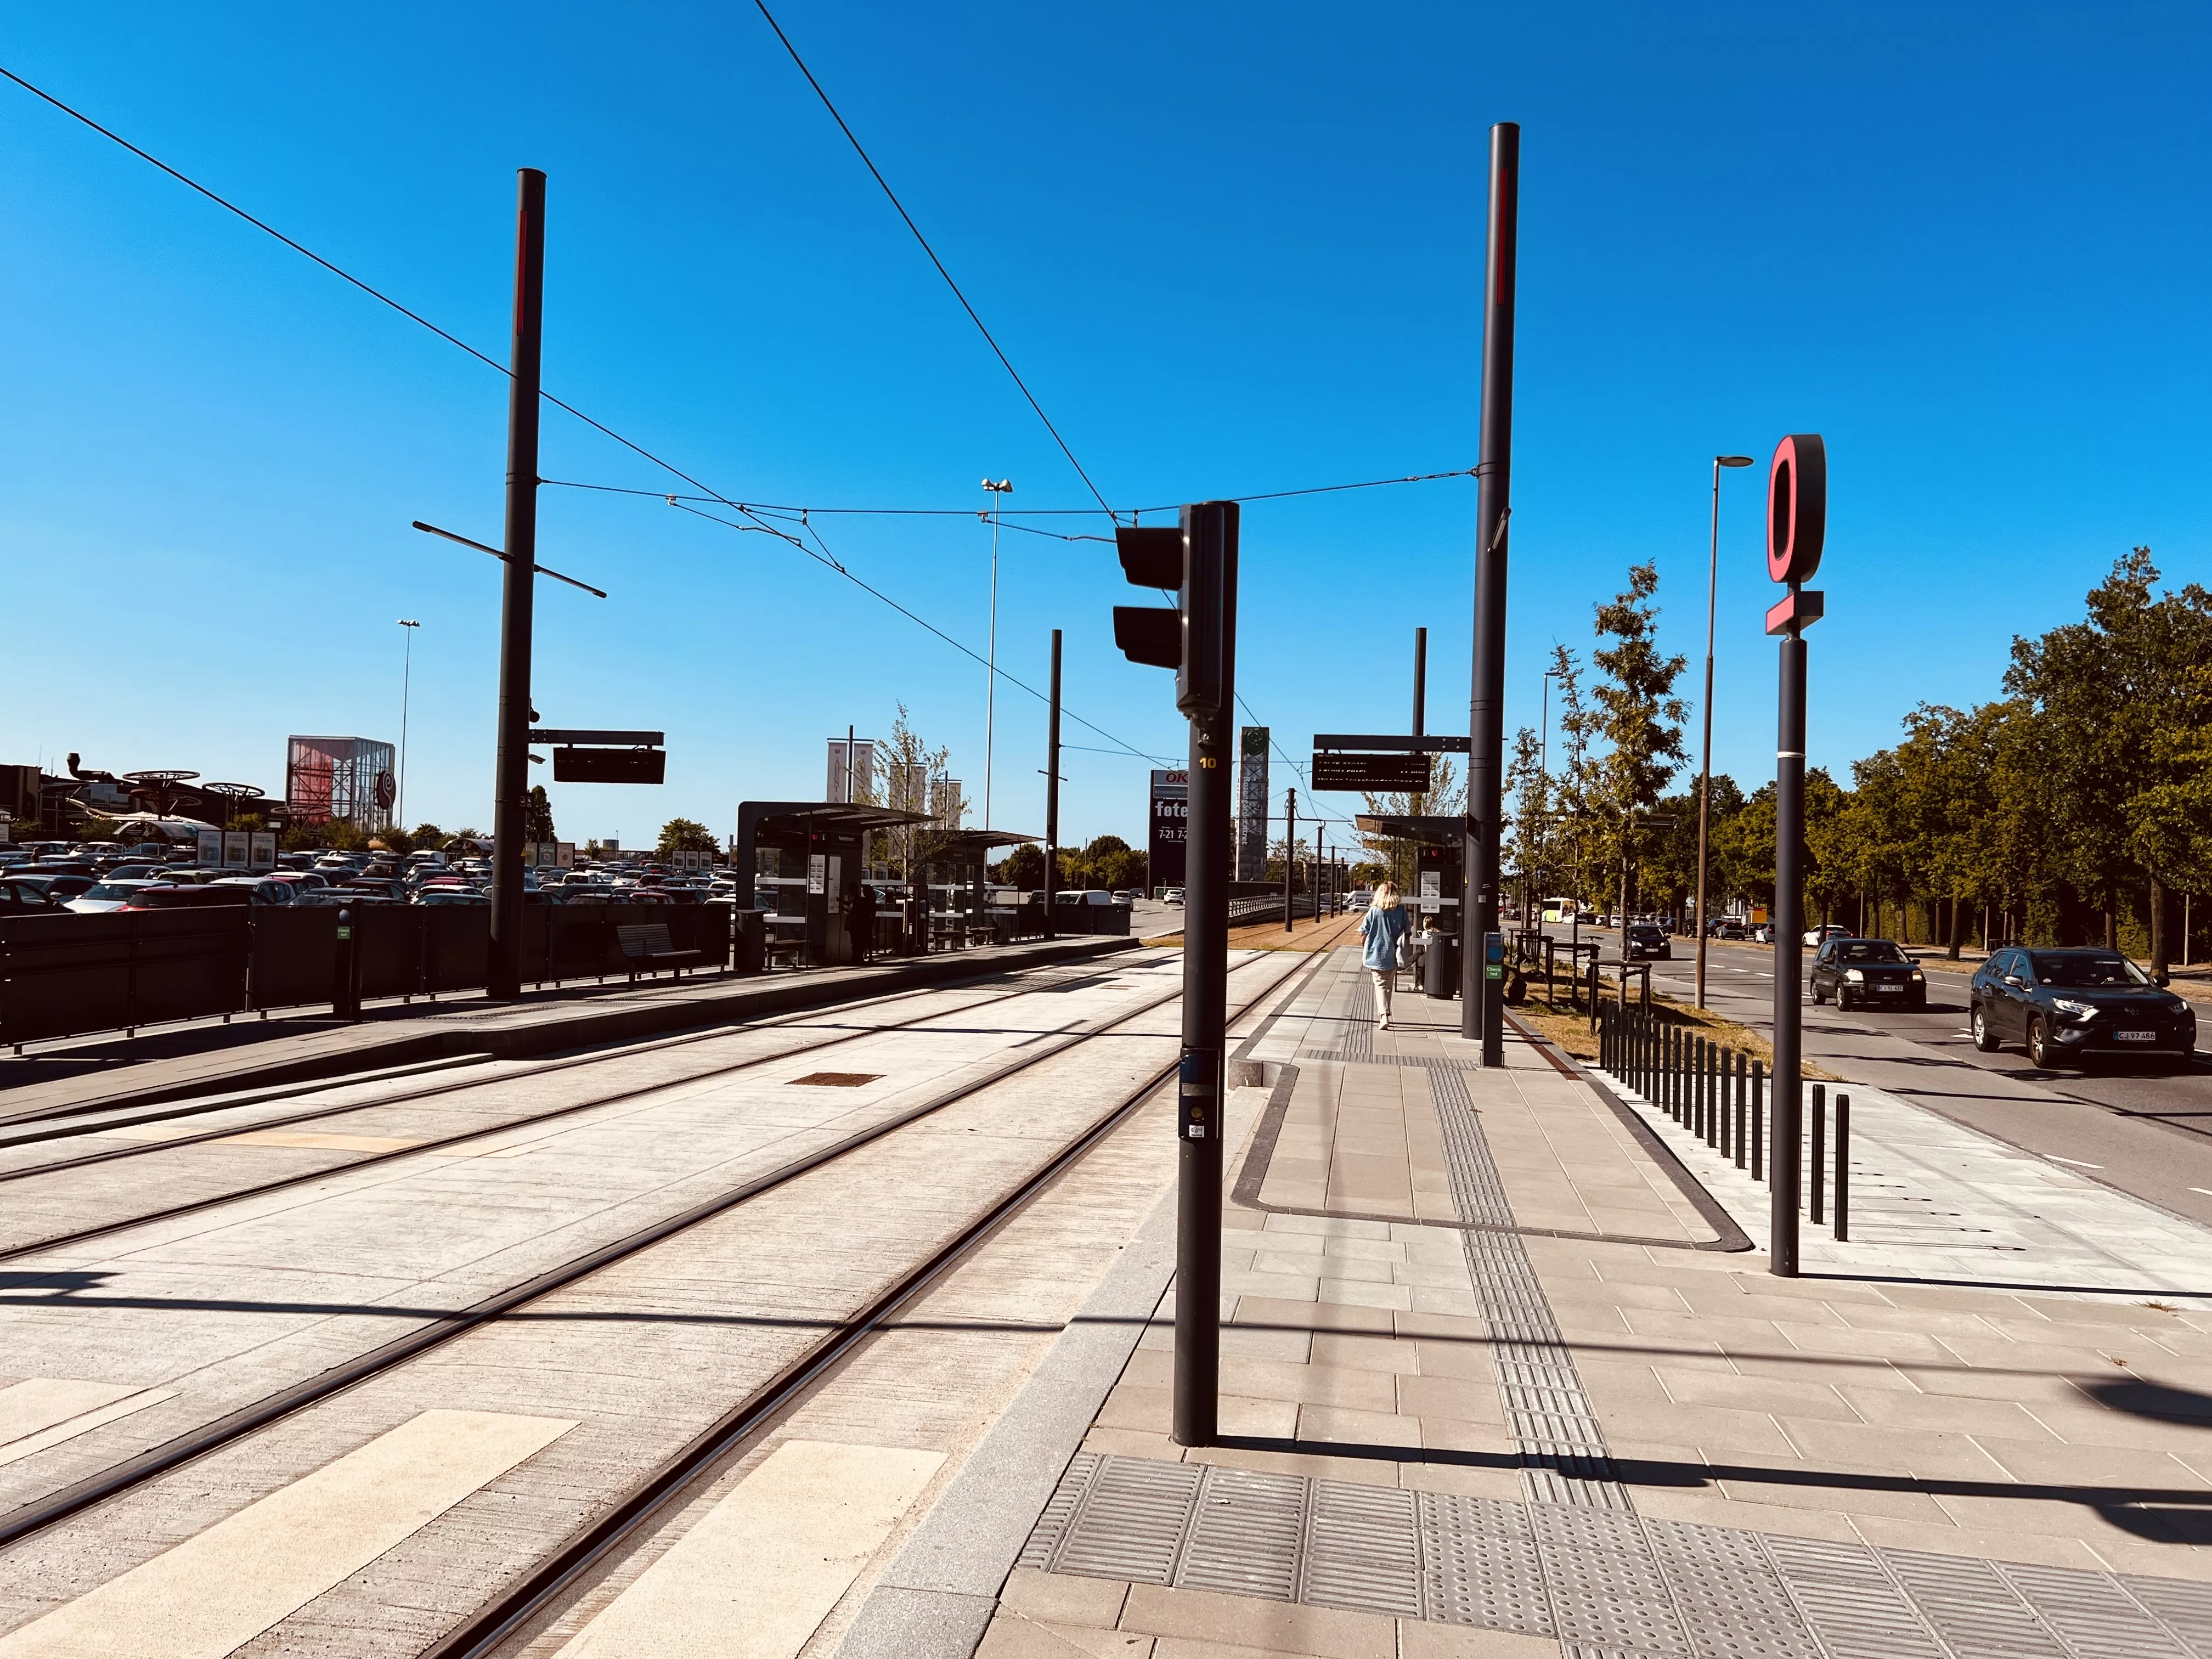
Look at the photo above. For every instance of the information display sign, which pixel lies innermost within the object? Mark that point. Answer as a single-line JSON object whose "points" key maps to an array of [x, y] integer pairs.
{"points": [[1372, 774]]}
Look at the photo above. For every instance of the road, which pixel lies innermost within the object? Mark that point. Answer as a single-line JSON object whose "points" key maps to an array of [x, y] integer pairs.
{"points": [[2143, 1130]]}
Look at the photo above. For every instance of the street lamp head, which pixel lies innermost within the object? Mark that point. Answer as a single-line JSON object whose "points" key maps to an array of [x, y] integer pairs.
{"points": [[1004, 487], [1733, 460], [404, 623]]}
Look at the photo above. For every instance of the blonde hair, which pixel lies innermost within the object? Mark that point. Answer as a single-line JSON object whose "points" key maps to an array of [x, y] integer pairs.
{"points": [[1386, 896]]}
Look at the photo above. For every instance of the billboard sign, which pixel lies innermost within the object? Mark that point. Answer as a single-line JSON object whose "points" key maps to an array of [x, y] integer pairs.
{"points": [[1170, 824], [237, 849], [1252, 805], [265, 849], [211, 849]]}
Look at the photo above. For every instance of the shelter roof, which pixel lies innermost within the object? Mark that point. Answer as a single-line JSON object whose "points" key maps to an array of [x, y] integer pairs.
{"points": [[1432, 831]]}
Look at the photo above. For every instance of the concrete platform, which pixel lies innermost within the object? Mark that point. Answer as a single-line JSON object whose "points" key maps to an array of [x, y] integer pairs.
{"points": [[1495, 1382], [208, 1057]]}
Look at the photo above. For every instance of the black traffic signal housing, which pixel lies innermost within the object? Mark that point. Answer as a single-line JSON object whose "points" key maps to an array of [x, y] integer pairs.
{"points": [[1197, 638]]}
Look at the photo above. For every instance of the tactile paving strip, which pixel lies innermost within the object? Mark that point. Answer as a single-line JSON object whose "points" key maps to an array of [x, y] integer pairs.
{"points": [[1606, 1584], [1562, 1445]]}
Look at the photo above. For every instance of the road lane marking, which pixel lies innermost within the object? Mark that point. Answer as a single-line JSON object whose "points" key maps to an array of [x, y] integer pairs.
{"points": [[43, 1411], [2206, 1191], [221, 1588], [2075, 1162], [761, 1570]]}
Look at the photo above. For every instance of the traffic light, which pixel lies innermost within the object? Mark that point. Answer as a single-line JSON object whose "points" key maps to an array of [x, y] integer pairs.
{"points": [[1197, 637]]}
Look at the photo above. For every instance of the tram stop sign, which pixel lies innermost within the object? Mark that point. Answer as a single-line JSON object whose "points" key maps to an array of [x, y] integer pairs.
{"points": [[1796, 526]]}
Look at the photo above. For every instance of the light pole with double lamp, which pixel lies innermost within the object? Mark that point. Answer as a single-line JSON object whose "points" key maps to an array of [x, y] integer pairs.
{"points": [[1000, 491], [406, 679], [1705, 769]]}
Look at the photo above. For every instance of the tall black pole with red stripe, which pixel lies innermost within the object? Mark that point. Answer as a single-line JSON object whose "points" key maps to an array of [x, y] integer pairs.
{"points": [[1482, 1013]]}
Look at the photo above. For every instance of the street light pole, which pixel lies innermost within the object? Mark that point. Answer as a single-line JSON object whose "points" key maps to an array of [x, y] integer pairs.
{"points": [[1705, 769], [406, 677], [998, 492]]}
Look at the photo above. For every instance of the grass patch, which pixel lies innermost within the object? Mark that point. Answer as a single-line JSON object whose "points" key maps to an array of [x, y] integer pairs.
{"points": [[1562, 1022]]}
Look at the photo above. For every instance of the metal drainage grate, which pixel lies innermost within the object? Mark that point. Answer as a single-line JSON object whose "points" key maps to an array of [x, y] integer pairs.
{"points": [[1602, 1582], [834, 1079]]}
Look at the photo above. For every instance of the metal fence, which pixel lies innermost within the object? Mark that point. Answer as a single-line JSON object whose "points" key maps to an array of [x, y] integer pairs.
{"points": [[64, 975], [1719, 1094]]}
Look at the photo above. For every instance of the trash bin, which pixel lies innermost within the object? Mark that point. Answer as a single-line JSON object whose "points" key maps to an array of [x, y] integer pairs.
{"points": [[1440, 967]]}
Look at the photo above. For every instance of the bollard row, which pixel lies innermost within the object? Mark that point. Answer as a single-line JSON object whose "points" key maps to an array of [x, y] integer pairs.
{"points": [[1719, 1094]]}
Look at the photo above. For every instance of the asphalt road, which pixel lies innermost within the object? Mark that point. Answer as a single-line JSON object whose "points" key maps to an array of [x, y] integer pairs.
{"points": [[2125, 1122]]}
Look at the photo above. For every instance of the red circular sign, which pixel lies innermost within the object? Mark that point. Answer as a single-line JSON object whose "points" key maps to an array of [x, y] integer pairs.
{"points": [[1796, 508]]}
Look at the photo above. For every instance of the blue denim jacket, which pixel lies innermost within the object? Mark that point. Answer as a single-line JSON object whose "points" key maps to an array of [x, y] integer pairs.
{"points": [[1382, 929]]}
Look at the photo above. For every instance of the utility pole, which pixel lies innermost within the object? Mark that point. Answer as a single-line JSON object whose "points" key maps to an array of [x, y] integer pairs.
{"points": [[998, 492], [1482, 1013], [1289, 855], [406, 685], [511, 771], [1052, 791]]}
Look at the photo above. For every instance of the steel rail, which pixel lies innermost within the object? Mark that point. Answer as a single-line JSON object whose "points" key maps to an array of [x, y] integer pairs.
{"points": [[550, 1115], [495, 1623], [225, 1431]]}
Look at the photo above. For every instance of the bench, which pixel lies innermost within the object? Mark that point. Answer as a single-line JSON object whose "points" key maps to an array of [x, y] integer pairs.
{"points": [[648, 949]]}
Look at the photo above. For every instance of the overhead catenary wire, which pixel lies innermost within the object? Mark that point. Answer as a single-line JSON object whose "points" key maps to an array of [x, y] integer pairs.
{"points": [[892, 195], [708, 493]]}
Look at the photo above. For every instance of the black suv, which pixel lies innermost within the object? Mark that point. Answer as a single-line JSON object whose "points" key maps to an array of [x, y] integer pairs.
{"points": [[1857, 973], [2066, 1004]]}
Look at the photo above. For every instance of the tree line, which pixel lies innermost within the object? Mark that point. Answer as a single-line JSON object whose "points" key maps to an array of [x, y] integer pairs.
{"points": [[2074, 807]]}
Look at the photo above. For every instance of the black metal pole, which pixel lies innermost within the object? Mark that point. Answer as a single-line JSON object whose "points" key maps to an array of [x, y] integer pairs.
{"points": [[511, 770], [1482, 1000], [1785, 1148], [1205, 1018], [1052, 791], [1289, 855]]}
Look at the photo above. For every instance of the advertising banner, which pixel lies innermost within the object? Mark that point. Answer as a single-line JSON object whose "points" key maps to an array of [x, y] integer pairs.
{"points": [[237, 849], [1252, 805], [265, 849], [210, 853], [1169, 827]]}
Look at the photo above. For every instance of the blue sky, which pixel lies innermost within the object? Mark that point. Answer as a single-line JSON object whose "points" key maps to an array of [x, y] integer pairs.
{"points": [[1232, 249]]}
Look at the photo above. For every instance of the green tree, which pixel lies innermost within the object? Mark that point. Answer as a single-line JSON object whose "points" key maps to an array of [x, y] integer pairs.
{"points": [[1638, 718], [684, 835], [537, 816], [2116, 696], [1024, 867]]}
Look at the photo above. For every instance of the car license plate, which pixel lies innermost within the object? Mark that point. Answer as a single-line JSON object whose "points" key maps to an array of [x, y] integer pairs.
{"points": [[1889, 990], [2136, 1037]]}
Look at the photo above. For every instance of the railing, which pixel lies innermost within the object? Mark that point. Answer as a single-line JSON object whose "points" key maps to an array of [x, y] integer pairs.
{"points": [[65, 975], [1719, 1094], [1245, 912]]}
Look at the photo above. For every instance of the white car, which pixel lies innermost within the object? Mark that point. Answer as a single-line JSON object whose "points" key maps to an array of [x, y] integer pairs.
{"points": [[103, 896], [1088, 895], [1172, 896]]}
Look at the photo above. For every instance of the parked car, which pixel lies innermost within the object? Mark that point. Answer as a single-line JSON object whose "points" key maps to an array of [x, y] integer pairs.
{"points": [[19, 897], [1085, 895], [60, 886], [159, 896], [261, 890], [1822, 934], [108, 896], [368, 889], [1858, 972], [1647, 940], [454, 894], [2067, 1005], [1173, 895]]}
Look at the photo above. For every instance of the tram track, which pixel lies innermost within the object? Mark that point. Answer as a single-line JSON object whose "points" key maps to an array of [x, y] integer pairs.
{"points": [[86, 1235], [136, 1471], [540, 1589]]}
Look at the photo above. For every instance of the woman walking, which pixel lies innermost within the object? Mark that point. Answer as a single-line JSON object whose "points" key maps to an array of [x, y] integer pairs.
{"points": [[1385, 929]]}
